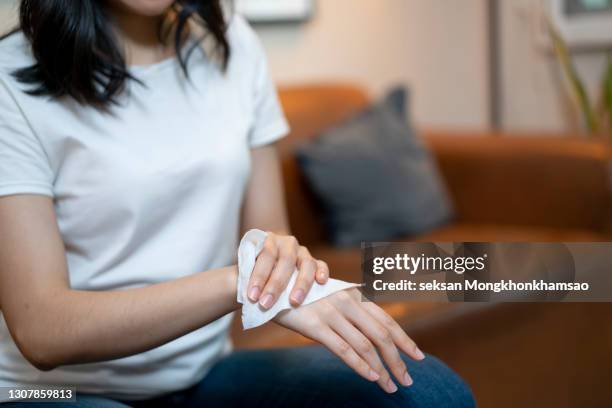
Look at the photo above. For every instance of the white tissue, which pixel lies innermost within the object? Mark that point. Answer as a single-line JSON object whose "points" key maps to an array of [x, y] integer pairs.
{"points": [[253, 314]]}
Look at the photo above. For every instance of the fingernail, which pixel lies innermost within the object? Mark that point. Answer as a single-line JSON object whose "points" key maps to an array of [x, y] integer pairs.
{"points": [[254, 293], [407, 379], [373, 375], [391, 386], [267, 300], [298, 296], [321, 276], [419, 354]]}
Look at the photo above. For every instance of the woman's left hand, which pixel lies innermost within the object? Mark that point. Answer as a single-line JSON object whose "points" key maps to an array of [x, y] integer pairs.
{"points": [[274, 266]]}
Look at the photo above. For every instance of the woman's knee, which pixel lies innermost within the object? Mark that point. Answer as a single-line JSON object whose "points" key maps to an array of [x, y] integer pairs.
{"points": [[435, 385], [317, 377]]}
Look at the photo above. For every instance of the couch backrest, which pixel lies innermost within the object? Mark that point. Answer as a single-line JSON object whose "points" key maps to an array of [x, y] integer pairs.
{"points": [[533, 179], [310, 110]]}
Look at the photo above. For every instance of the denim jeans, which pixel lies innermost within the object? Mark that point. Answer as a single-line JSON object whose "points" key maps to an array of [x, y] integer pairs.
{"points": [[299, 377]]}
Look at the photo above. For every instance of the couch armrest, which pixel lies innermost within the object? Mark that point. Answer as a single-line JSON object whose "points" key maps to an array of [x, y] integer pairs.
{"points": [[558, 182]]}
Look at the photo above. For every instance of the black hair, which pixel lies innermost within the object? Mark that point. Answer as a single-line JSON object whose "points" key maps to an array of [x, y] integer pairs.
{"points": [[77, 54]]}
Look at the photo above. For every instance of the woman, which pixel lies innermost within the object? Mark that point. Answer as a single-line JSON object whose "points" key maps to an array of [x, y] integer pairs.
{"points": [[136, 143]]}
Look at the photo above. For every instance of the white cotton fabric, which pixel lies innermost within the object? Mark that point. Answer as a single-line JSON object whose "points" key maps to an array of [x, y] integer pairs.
{"points": [[253, 314], [147, 192]]}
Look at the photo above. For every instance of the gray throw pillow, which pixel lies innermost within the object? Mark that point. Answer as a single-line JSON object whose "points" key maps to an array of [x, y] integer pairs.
{"points": [[374, 176]]}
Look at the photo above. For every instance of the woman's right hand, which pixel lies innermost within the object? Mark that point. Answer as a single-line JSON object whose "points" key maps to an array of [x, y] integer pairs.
{"points": [[360, 333]]}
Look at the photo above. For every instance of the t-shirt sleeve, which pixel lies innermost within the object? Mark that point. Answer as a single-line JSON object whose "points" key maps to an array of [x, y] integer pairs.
{"points": [[269, 122], [24, 166]]}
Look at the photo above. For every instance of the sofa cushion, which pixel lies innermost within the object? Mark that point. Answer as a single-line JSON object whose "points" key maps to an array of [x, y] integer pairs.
{"points": [[374, 177]]}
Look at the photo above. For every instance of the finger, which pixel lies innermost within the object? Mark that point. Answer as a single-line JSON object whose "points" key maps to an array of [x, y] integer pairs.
{"points": [[281, 274], [403, 341], [322, 272], [264, 265], [379, 335], [342, 349], [306, 275], [366, 350]]}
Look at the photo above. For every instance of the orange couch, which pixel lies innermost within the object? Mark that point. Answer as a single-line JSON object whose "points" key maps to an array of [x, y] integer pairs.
{"points": [[504, 188]]}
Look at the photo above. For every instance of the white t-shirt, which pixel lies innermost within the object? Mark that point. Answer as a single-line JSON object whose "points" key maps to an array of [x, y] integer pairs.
{"points": [[148, 192]]}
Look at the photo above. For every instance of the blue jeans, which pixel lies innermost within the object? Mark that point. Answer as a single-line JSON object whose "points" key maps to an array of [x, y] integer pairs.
{"points": [[299, 377]]}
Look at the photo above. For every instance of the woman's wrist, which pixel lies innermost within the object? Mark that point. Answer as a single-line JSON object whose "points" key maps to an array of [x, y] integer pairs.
{"points": [[230, 284]]}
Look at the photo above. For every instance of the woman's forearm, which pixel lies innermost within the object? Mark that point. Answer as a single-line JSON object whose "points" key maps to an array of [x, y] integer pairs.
{"points": [[74, 327], [264, 203]]}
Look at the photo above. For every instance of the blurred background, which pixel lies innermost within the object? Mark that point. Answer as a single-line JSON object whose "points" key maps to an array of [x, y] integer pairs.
{"points": [[503, 108]]}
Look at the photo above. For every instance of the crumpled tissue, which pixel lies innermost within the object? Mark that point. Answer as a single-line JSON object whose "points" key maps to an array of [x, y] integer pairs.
{"points": [[253, 314]]}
